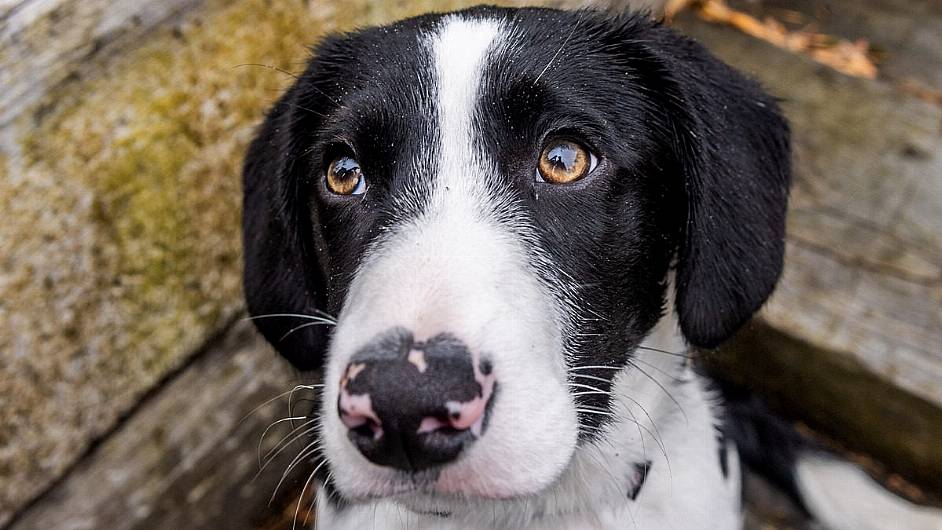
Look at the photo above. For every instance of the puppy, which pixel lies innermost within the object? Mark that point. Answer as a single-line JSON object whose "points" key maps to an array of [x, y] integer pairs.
{"points": [[523, 219]]}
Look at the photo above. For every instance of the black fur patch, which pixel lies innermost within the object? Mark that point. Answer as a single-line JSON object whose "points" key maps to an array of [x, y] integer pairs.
{"points": [[641, 475], [765, 442]]}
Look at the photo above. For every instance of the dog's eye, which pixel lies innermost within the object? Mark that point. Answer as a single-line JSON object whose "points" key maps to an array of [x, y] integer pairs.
{"points": [[344, 176], [564, 161]]}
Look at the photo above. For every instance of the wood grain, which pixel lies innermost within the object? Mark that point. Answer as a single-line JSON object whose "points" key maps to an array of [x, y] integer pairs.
{"points": [[187, 457], [45, 42]]}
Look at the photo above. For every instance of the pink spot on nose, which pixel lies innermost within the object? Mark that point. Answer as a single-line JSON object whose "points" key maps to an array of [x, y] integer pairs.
{"points": [[464, 415], [431, 424], [356, 410]]}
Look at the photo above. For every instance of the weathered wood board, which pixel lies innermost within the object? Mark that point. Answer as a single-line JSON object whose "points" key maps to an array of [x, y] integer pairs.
{"points": [[44, 42], [187, 458], [905, 35], [851, 343], [863, 282]]}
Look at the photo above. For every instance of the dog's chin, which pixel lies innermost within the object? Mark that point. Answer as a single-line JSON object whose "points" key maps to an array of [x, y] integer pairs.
{"points": [[427, 494], [453, 487], [445, 505]]}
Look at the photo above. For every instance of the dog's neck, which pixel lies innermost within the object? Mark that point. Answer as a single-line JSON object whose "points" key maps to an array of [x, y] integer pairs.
{"points": [[654, 460]]}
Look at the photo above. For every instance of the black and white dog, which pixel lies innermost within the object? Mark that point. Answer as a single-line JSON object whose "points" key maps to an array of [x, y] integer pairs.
{"points": [[523, 219]]}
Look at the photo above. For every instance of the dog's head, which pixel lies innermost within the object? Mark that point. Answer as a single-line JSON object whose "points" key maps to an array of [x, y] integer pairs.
{"points": [[491, 202]]}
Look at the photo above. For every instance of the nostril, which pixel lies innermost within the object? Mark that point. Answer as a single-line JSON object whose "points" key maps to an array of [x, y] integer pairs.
{"points": [[431, 424], [368, 430], [357, 414], [461, 416], [364, 431], [469, 414]]}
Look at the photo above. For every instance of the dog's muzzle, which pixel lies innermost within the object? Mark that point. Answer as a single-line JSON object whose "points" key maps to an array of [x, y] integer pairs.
{"points": [[413, 405]]}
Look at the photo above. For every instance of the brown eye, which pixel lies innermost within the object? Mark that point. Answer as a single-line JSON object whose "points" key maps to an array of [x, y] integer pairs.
{"points": [[344, 176], [564, 161]]}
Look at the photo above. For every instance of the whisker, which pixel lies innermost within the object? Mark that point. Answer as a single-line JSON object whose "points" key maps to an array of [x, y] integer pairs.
{"points": [[598, 412], [285, 443], [662, 387], [309, 324], [592, 377], [279, 396], [665, 352], [301, 496], [314, 497], [656, 434], [605, 467], [291, 396], [587, 387], [560, 50], [261, 440], [592, 427], [268, 66], [656, 368], [291, 315], [308, 451], [326, 315], [293, 437]]}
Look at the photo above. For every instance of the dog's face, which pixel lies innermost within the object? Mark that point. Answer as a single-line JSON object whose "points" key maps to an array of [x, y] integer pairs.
{"points": [[491, 203]]}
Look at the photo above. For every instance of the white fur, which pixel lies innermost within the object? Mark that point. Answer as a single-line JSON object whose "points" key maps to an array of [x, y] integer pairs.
{"points": [[843, 497], [458, 269]]}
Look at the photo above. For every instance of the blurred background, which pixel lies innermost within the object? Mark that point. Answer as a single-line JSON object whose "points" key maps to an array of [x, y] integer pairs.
{"points": [[134, 395]]}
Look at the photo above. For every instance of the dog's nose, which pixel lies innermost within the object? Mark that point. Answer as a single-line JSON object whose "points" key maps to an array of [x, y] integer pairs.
{"points": [[414, 405]]}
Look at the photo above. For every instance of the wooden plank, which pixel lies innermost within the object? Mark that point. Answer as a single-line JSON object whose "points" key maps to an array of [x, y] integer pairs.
{"points": [[906, 35], [863, 280], [45, 42], [187, 458], [861, 295]]}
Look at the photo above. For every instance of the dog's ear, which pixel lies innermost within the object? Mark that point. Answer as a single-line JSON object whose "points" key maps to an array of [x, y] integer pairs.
{"points": [[731, 144], [282, 275]]}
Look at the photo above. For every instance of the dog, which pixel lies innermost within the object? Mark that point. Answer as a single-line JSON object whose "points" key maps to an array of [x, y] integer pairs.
{"points": [[524, 220]]}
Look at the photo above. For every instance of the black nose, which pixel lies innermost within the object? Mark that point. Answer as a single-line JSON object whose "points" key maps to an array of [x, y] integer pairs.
{"points": [[414, 405]]}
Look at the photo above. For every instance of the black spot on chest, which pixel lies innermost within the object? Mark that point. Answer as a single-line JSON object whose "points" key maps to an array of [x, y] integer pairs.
{"points": [[639, 477]]}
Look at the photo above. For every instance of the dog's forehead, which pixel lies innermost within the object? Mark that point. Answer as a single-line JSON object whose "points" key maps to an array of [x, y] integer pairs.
{"points": [[482, 51]]}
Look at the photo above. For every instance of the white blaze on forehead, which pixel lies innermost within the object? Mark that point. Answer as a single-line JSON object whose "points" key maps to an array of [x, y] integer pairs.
{"points": [[460, 53], [463, 265]]}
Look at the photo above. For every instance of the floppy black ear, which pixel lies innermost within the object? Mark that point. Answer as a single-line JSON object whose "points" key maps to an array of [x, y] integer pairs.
{"points": [[732, 146], [281, 275]]}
